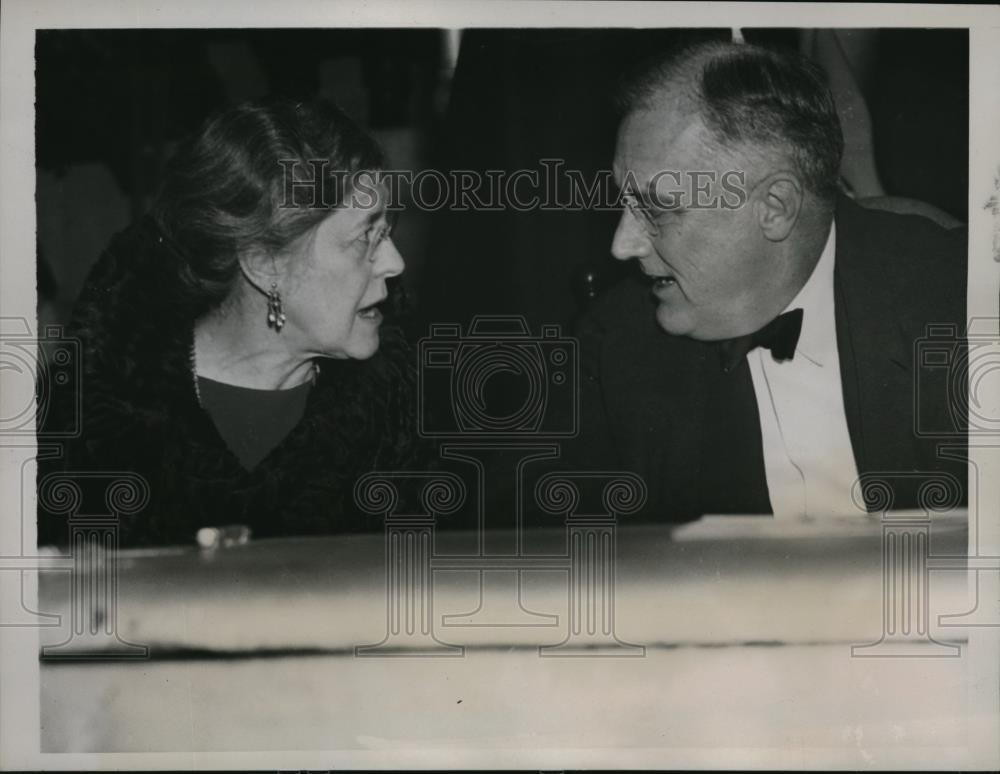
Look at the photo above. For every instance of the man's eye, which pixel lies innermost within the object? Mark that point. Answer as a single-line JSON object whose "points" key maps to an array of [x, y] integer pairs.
{"points": [[669, 209], [652, 213]]}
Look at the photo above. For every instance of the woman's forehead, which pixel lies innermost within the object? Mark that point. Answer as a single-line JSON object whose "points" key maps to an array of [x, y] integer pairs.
{"points": [[366, 192], [357, 212]]}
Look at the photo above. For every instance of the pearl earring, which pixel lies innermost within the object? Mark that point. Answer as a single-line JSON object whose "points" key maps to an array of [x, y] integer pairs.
{"points": [[275, 313]]}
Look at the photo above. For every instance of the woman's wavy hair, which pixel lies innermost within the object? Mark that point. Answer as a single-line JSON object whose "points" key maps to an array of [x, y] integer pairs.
{"points": [[256, 176]]}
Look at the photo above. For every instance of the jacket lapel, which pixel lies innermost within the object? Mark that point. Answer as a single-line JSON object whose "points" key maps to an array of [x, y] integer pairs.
{"points": [[875, 362], [692, 432]]}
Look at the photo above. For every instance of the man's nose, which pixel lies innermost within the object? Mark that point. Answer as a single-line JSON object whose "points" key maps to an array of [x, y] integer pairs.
{"points": [[388, 261], [630, 240]]}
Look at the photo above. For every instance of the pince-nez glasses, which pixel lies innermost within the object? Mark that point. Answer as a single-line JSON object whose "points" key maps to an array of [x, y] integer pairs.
{"points": [[378, 234], [641, 213]]}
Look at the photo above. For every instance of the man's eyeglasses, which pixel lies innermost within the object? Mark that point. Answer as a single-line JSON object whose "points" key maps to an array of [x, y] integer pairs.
{"points": [[641, 213], [649, 216]]}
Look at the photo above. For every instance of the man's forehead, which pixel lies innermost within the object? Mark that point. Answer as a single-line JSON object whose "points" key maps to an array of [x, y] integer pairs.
{"points": [[666, 136]]}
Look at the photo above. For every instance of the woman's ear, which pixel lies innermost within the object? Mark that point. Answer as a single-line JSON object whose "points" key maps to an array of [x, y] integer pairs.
{"points": [[259, 268], [779, 205]]}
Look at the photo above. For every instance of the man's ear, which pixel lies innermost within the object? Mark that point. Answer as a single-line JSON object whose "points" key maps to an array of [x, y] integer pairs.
{"points": [[778, 205], [259, 268]]}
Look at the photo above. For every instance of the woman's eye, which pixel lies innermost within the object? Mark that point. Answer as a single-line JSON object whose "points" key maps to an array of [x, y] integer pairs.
{"points": [[376, 233]]}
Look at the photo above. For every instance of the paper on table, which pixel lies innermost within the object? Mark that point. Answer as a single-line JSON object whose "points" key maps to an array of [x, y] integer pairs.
{"points": [[737, 527]]}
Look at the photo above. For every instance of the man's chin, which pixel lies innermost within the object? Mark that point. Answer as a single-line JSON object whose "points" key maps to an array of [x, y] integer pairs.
{"points": [[672, 321]]}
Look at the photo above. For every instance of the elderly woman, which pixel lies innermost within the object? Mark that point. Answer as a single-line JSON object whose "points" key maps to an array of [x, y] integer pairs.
{"points": [[233, 348]]}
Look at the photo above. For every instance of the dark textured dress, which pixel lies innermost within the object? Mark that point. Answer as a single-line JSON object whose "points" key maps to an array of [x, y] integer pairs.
{"points": [[139, 413]]}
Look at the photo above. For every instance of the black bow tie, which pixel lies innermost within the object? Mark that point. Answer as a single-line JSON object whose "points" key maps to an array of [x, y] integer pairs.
{"points": [[780, 336]]}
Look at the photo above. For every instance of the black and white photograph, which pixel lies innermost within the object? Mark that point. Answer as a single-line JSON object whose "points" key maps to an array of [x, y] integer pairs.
{"points": [[487, 385]]}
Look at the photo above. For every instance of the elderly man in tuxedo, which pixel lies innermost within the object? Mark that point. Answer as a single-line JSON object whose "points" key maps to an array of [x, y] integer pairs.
{"points": [[763, 356]]}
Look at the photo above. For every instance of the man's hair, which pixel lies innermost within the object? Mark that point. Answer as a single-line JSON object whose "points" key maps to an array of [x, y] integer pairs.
{"points": [[752, 96]]}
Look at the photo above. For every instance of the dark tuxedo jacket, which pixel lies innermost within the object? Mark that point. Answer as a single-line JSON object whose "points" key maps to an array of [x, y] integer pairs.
{"points": [[661, 406]]}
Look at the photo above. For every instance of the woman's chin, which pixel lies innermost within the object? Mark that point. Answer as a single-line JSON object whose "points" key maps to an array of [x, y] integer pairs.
{"points": [[365, 347]]}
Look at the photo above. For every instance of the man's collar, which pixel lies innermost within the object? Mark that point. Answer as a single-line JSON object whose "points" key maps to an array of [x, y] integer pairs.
{"points": [[815, 298]]}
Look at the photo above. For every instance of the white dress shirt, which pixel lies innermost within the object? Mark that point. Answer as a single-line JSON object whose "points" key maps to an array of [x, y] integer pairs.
{"points": [[808, 459]]}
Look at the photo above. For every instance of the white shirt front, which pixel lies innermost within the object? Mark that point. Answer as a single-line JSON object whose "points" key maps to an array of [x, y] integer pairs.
{"points": [[808, 458]]}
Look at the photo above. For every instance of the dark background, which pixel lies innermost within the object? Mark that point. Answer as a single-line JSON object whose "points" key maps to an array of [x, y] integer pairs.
{"points": [[111, 104]]}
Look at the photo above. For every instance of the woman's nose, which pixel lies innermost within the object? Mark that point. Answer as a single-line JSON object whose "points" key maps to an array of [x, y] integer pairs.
{"points": [[388, 261]]}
